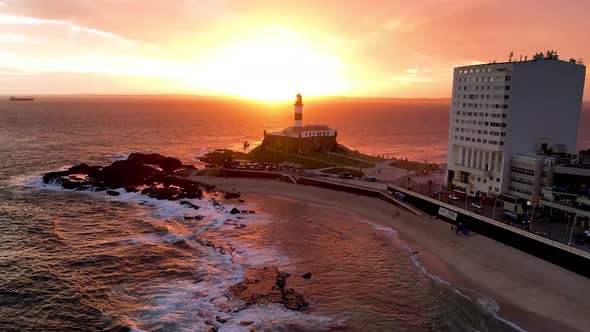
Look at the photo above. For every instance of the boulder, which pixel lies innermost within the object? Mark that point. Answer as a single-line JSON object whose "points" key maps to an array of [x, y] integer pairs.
{"points": [[113, 193], [234, 211], [306, 276], [231, 195], [267, 285], [67, 184]]}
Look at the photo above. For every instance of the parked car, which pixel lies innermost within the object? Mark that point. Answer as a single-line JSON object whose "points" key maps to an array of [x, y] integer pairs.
{"points": [[345, 175], [371, 179], [439, 194], [454, 197], [476, 205]]}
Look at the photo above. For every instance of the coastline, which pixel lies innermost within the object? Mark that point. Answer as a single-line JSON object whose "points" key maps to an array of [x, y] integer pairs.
{"points": [[534, 294]]}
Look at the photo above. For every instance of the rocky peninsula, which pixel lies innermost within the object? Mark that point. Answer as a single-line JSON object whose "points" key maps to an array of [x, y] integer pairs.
{"points": [[153, 175]]}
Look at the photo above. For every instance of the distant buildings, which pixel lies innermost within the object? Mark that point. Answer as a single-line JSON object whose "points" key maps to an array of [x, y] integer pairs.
{"points": [[300, 138], [512, 135]]}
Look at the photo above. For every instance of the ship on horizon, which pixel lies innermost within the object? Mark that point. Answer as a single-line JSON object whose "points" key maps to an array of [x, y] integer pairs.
{"points": [[13, 98]]}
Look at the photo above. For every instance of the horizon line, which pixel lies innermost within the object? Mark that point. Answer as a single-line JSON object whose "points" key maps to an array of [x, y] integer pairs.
{"points": [[214, 96]]}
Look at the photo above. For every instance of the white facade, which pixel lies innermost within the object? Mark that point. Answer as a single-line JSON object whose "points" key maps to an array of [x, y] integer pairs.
{"points": [[502, 109], [314, 130]]}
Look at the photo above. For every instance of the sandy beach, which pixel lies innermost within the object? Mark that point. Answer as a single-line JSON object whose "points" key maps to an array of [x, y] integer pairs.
{"points": [[534, 294]]}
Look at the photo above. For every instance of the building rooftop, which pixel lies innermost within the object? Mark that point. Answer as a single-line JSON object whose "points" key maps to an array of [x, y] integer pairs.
{"points": [[550, 56]]}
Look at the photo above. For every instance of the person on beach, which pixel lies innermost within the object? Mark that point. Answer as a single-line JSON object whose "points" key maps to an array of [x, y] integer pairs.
{"points": [[459, 229]]}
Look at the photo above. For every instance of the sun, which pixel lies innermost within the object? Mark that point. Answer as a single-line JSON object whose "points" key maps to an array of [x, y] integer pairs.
{"points": [[272, 67]]}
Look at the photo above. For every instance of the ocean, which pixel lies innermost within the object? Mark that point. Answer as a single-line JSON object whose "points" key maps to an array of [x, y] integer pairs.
{"points": [[78, 261]]}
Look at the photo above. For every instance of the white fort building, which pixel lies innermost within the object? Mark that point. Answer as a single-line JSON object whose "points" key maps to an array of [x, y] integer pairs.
{"points": [[500, 110]]}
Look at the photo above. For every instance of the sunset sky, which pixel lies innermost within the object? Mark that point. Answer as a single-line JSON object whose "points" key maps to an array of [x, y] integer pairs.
{"points": [[271, 49]]}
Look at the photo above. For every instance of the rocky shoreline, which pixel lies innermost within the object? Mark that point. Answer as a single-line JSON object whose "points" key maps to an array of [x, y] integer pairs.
{"points": [[163, 178], [154, 175]]}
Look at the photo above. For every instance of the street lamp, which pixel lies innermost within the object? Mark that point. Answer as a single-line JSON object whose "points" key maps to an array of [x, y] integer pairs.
{"points": [[532, 216], [494, 209], [465, 199], [569, 241]]}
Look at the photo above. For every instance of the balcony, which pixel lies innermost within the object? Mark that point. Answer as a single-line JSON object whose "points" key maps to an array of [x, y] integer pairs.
{"points": [[463, 185]]}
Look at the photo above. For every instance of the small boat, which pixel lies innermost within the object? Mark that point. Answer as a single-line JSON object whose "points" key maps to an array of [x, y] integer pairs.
{"points": [[13, 98]]}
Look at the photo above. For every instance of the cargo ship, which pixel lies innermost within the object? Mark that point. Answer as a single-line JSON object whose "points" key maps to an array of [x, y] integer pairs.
{"points": [[13, 98]]}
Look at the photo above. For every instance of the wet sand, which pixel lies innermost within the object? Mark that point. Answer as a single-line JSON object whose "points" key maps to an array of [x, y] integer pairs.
{"points": [[532, 293]]}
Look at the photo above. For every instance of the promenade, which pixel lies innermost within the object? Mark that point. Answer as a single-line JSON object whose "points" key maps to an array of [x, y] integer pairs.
{"points": [[571, 257]]}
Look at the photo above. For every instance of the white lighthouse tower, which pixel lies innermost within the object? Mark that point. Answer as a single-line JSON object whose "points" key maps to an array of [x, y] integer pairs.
{"points": [[298, 112]]}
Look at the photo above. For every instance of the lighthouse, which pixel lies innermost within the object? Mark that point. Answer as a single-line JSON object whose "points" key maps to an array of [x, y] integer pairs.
{"points": [[299, 138], [298, 112]]}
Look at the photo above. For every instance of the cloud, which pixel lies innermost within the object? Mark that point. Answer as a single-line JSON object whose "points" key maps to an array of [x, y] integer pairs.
{"points": [[16, 20]]}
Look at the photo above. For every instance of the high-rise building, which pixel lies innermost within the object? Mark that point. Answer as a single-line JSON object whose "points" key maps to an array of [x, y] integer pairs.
{"points": [[499, 110]]}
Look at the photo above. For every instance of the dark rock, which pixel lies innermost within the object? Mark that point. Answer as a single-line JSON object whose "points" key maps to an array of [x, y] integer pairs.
{"points": [[241, 200], [251, 211], [306, 276], [267, 285], [189, 204], [170, 193], [168, 164], [55, 177], [220, 319], [231, 195], [139, 169], [113, 193], [131, 189], [246, 323], [234, 211], [67, 184]]}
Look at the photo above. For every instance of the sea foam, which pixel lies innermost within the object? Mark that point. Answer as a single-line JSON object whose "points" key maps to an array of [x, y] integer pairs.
{"points": [[193, 305]]}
